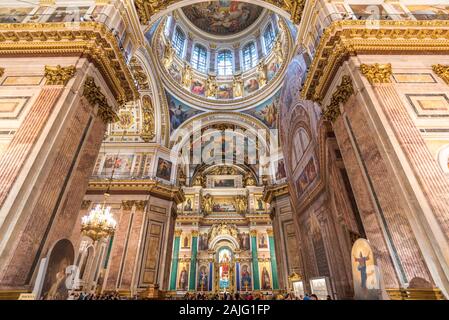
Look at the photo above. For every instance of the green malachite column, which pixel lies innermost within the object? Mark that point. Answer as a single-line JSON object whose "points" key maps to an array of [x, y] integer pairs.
{"points": [[192, 277], [274, 266], [255, 260], [174, 260]]}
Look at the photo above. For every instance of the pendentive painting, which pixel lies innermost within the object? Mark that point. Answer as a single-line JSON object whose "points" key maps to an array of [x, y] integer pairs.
{"points": [[179, 112]]}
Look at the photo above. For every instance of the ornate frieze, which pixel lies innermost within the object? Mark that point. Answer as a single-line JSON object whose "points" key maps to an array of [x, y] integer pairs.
{"points": [[345, 38], [59, 76], [341, 95], [90, 39], [442, 71], [377, 73], [96, 98]]}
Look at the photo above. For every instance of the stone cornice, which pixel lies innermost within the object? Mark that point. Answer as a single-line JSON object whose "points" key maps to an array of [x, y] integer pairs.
{"points": [[343, 39], [151, 187], [89, 39], [275, 191]]}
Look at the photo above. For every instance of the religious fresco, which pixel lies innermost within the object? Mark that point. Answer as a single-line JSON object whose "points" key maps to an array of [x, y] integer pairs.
{"points": [[223, 204], [245, 277], [224, 262], [244, 240], [175, 72], [265, 276], [307, 176], [198, 87], [14, 15], [55, 280], [267, 111], [164, 169], [365, 272], [188, 204], [260, 204], [280, 169], [428, 12], [185, 241], [121, 164], [223, 17], [250, 86], [291, 89], [179, 112], [203, 241], [224, 183], [203, 278], [68, 14], [272, 68], [183, 276], [224, 91], [262, 242]]}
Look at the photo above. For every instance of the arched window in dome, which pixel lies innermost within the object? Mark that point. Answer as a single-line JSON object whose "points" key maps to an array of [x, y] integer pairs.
{"points": [[224, 63], [178, 42], [249, 56], [269, 37], [199, 58]]}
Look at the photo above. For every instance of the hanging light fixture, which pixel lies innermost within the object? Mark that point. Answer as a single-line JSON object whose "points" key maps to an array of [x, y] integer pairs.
{"points": [[100, 223]]}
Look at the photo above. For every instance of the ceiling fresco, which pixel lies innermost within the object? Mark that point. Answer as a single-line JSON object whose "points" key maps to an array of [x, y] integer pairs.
{"points": [[222, 17]]}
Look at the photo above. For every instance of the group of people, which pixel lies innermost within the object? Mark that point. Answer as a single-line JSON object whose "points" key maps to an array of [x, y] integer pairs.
{"points": [[249, 296], [81, 295]]}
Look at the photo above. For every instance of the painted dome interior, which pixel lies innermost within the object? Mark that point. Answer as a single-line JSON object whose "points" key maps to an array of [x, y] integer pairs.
{"points": [[224, 17]]}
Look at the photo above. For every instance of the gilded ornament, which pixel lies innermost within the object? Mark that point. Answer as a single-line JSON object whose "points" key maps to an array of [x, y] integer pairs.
{"points": [[341, 95], [96, 98], [148, 125], [207, 204], [211, 86], [442, 71], [2, 72], [262, 73], [241, 204], [237, 86], [59, 76], [377, 73], [187, 76]]}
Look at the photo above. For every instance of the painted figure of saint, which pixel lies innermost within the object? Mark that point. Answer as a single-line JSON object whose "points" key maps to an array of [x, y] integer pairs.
{"points": [[183, 279], [202, 279], [266, 282], [246, 278], [188, 206], [361, 260]]}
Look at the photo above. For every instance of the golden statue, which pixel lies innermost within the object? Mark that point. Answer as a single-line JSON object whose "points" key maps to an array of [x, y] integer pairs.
{"points": [[249, 179], [261, 74], [169, 54], [148, 129], [211, 86], [187, 76], [240, 204], [207, 204], [237, 86], [278, 52]]}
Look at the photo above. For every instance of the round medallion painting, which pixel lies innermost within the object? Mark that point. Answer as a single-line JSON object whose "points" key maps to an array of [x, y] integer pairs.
{"points": [[222, 17]]}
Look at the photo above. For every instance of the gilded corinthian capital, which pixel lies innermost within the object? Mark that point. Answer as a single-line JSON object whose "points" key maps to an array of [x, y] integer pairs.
{"points": [[442, 71], [59, 76], [341, 95], [377, 73]]}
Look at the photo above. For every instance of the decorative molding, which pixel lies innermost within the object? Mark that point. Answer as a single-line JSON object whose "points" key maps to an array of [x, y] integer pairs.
{"points": [[147, 8], [95, 97], [148, 121], [129, 204], [346, 38], [59, 76], [2, 72], [442, 71], [90, 39], [178, 232], [85, 204], [377, 73], [340, 96]]}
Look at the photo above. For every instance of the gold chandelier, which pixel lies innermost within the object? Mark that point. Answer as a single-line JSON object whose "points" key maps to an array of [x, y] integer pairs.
{"points": [[99, 223]]}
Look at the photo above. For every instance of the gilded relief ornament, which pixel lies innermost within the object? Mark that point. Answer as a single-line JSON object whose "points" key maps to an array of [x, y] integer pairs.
{"points": [[148, 125], [249, 180], [442, 71], [211, 86], [169, 54], [340, 95], [261, 74], [207, 204], [377, 73], [187, 76], [126, 119], [59, 76], [237, 86], [96, 98], [241, 204], [139, 74]]}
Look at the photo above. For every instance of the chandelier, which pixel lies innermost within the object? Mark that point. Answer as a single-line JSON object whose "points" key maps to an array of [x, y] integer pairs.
{"points": [[99, 223]]}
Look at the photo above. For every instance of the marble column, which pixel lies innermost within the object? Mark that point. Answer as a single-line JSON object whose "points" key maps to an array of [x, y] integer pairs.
{"points": [[213, 57], [189, 48], [255, 260], [274, 268], [174, 261], [237, 66], [192, 277]]}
